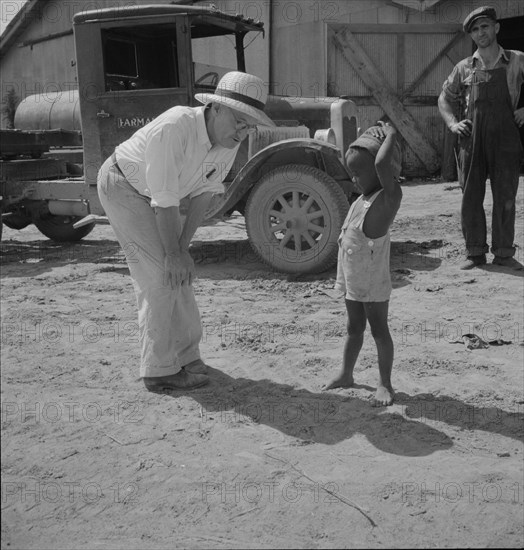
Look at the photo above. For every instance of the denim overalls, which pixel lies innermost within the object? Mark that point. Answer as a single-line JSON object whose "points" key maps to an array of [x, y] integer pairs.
{"points": [[493, 149]]}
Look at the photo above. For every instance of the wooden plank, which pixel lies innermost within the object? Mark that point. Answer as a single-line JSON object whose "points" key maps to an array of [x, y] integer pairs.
{"points": [[405, 28], [455, 57], [411, 101], [401, 64], [354, 54], [420, 78]]}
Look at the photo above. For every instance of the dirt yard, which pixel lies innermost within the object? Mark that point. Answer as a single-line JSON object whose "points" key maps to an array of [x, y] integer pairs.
{"points": [[262, 458]]}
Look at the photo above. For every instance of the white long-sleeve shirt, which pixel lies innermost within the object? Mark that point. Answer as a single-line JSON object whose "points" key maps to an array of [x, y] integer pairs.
{"points": [[171, 158]]}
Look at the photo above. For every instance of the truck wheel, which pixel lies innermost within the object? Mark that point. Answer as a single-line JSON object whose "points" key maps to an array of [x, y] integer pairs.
{"points": [[293, 219], [60, 228], [17, 221]]}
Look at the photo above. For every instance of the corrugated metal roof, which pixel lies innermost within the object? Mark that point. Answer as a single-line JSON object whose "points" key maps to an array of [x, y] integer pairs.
{"points": [[420, 5]]}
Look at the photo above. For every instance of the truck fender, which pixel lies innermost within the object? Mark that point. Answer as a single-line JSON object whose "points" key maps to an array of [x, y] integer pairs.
{"points": [[307, 151]]}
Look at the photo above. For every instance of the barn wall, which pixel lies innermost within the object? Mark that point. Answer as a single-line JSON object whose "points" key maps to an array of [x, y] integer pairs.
{"points": [[298, 33]]}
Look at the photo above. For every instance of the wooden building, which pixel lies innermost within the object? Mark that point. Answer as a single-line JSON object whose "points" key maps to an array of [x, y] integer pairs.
{"points": [[389, 56]]}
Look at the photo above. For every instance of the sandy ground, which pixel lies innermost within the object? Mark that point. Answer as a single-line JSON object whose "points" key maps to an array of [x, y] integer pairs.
{"points": [[261, 458]]}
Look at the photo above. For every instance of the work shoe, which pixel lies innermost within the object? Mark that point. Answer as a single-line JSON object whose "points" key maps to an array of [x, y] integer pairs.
{"points": [[196, 367], [473, 261], [507, 261], [180, 381]]}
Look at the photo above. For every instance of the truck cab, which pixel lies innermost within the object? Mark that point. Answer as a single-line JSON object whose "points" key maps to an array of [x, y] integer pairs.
{"points": [[137, 62]]}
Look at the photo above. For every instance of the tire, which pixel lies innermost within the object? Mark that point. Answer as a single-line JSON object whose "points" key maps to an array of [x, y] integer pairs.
{"points": [[293, 219], [60, 228], [17, 221]]}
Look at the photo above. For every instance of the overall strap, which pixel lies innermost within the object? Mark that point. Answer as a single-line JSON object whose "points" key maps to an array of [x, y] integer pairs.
{"points": [[364, 206]]}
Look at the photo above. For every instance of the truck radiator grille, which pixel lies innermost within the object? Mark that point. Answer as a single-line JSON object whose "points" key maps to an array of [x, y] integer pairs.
{"points": [[265, 136]]}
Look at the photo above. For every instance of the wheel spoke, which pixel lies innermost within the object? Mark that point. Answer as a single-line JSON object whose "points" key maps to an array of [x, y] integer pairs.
{"points": [[310, 240], [284, 203], [285, 239], [315, 228], [295, 203], [307, 205], [278, 227], [298, 241], [313, 215], [277, 214]]}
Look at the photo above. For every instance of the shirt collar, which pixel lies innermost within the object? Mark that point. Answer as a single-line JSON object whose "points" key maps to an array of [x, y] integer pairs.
{"points": [[502, 54], [203, 137]]}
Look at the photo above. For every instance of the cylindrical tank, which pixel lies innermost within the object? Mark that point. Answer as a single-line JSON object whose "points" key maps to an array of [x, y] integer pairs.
{"points": [[49, 111]]}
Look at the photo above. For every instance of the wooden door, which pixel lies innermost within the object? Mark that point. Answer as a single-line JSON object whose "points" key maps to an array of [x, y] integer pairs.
{"points": [[397, 71]]}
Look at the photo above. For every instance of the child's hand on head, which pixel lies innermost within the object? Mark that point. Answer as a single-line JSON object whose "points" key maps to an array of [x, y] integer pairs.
{"points": [[383, 129]]}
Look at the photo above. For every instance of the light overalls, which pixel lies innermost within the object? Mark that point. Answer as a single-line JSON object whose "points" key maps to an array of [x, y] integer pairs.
{"points": [[363, 263]]}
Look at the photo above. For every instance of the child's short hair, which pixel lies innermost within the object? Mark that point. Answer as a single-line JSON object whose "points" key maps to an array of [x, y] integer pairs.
{"points": [[372, 144]]}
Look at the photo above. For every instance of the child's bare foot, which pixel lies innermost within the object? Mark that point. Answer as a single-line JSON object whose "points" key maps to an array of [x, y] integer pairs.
{"points": [[341, 381], [384, 396]]}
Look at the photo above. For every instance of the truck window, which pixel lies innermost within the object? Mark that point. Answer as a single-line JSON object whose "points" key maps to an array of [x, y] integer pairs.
{"points": [[213, 57], [121, 58], [140, 57]]}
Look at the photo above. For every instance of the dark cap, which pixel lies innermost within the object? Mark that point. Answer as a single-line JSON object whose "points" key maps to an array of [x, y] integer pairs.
{"points": [[483, 11], [372, 144]]}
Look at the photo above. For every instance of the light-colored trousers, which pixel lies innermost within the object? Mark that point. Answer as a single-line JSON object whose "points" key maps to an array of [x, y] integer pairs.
{"points": [[169, 321]]}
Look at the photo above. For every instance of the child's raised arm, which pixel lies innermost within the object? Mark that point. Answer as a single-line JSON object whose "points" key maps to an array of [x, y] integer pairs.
{"points": [[383, 161]]}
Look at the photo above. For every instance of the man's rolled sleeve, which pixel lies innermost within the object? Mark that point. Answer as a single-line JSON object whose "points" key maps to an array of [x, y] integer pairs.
{"points": [[453, 86], [163, 156]]}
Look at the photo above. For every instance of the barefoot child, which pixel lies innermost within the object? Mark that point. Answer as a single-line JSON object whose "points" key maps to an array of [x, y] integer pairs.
{"points": [[373, 161]]}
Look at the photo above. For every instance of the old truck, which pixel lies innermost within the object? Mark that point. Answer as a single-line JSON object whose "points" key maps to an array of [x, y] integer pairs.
{"points": [[289, 182]]}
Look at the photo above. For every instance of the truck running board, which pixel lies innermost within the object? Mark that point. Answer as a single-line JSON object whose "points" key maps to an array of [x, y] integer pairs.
{"points": [[91, 218]]}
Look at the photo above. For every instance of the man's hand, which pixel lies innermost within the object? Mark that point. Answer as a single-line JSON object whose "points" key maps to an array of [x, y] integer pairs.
{"points": [[519, 117], [384, 129], [462, 128], [179, 269]]}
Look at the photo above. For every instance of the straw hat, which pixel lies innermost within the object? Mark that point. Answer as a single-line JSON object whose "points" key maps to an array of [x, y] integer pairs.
{"points": [[243, 92]]}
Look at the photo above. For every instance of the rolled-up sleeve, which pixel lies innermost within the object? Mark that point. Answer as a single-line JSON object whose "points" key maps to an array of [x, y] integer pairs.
{"points": [[164, 157], [516, 76], [453, 86]]}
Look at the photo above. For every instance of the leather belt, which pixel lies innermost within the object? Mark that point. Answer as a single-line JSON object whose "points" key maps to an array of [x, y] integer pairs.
{"points": [[115, 164]]}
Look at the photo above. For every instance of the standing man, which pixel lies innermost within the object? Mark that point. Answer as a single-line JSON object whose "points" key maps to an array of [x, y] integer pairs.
{"points": [[184, 152], [479, 104]]}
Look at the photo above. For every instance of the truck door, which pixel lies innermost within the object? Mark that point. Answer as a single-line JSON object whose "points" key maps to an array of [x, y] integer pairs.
{"points": [[129, 72]]}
